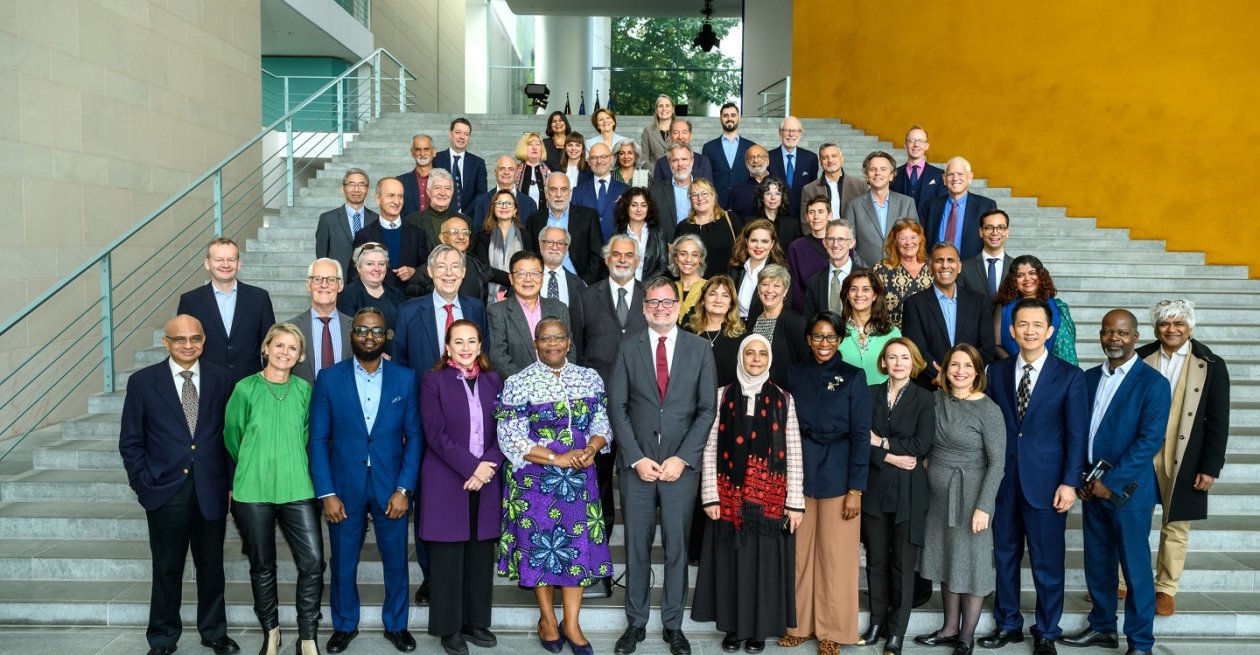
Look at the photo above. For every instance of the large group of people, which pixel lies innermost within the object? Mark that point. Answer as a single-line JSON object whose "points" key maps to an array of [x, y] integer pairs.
{"points": [[622, 317]]}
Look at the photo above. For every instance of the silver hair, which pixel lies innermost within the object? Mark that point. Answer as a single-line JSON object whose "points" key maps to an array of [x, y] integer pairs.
{"points": [[366, 249], [959, 160], [567, 239], [441, 174], [672, 265], [776, 272], [354, 171], [310, 270], [634, 145], [620, 236], [1166, 309], [679, 145], [442, 249], [837, 222]]}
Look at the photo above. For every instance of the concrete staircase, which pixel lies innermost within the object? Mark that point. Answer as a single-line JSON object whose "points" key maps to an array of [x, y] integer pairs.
{"points": [[73, 541]]}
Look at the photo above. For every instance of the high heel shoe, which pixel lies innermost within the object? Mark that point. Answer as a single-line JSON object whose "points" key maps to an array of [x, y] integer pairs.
{"points": [[551, 646], [578, 649], [271, 642]]}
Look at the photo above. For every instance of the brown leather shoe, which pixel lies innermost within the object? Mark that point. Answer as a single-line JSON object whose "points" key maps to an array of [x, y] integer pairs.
{"points": [[1165, 605], [1121, 593]]}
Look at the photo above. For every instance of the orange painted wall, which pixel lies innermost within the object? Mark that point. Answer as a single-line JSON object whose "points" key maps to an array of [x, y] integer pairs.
{"points": [[1141, 114]]}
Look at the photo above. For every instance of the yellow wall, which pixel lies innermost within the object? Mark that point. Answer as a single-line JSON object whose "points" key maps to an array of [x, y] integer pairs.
{"points": [[1138, 113]]}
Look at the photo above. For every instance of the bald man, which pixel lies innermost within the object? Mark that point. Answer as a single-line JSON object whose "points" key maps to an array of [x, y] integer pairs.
{"points": [[504, 178]]}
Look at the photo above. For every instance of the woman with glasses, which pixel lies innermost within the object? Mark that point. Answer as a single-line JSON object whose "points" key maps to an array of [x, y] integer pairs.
{"points": [[778, 322], [655, 137], [866, 324], [628, 155], [687, 266], [833, 406], [371, 260], [1027, 278], [557, 132], [904, 270], [500, 237], [715, 226], [573, 163], [635, 215], [757, 245], [531, 170], [772, 203]]}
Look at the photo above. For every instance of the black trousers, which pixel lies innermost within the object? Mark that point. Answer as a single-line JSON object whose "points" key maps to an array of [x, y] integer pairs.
{"points": [[604, 465], [461, 579], [299, 521], [890, 577], [175, 527]]}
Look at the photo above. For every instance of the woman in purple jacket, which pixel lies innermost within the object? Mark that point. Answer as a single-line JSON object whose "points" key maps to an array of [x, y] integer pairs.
{"points": [[461, 488]]}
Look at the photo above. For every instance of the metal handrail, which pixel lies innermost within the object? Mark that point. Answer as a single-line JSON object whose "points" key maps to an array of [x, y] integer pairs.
{"points": [[172, 264], [783, 99]]}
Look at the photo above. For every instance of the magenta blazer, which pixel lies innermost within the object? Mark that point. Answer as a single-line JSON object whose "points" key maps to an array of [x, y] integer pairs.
{"points": [[447, 464]]}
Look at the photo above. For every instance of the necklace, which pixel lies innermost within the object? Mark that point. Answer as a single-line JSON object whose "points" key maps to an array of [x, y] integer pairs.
{"points": [[271, 388], [713, 339]]}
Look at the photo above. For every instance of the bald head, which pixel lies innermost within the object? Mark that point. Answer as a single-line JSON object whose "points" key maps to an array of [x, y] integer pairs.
{"points": [[600, 159], [184, 340], [505, 171], [757, 161]]}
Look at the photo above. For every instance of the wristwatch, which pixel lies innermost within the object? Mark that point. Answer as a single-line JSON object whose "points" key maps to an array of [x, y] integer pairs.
{"points": [[403, 492]]}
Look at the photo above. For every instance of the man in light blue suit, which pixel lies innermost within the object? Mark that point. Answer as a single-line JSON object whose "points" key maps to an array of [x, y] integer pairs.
{"points": [[365, 457], [1047, 425], [1129, 414]]}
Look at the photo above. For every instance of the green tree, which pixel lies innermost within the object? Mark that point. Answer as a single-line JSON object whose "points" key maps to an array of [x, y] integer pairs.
{"points": [[665, 43]]}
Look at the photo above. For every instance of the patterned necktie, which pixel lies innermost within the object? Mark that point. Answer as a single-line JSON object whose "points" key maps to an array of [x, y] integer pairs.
{"points": [[459, 182], [993, 283], [791, 171], [951, 224], [623, 310], [326, 355], [450, 318], [1025, 390], [835, 302], [188, 398], [356, 223], [553, 286], [662, 368]]}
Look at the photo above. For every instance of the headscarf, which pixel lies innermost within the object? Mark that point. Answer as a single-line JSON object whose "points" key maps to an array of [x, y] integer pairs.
{"points": [[751, 384]]}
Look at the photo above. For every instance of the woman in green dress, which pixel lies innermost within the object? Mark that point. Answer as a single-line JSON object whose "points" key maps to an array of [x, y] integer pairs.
{"points": [[866, 324], [265, 431]]}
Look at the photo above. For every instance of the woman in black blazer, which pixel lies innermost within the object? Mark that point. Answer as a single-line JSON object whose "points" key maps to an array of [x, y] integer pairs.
{"points": [[635, 214], [903, 425], [775, 320]]}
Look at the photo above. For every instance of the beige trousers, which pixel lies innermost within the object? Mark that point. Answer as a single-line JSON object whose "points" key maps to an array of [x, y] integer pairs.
{"points": [[827, 552]]}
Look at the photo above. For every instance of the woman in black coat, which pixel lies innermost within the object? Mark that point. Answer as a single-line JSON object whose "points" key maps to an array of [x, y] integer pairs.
{"points": [[635, 214], [903, 425], [775, 320]]}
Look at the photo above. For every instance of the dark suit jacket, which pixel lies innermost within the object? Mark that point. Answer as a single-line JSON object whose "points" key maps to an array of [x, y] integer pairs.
{"points": [[429, 220], [477, 276], [1051, 438], [700, 167], [601, 333], [577, 313], [509, 342], [850, 186], [411, 192], [805, 168], [306, 369], [525, 206], [931, 184], [788, 346], [924, 324], [414, 251], [743, 197], [1130, 434], [818, 289], [930, 216], [724, 176], [975, 273], [472, 180], [416, 342], [156, 446], [241, 353], [910, 430], [584, 195], [833, 406], [333, 238], [585, 239], [666, 209]]}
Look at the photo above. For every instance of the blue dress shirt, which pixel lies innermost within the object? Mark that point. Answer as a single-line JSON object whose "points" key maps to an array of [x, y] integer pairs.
{"points": [[949, 308], [226, 300]]}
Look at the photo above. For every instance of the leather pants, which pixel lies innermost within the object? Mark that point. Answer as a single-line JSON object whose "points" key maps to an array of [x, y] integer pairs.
{"points": [[299, 521]]}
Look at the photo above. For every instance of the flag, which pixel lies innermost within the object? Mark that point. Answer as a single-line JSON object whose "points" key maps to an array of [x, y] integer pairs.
{"points": [[567, 111], [582, 104], [596, 101], [610, 101]]}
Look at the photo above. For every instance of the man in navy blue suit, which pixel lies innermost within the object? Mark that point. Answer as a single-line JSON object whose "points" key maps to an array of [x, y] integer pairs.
{"points": [[421, 335], [1129, 414], [1047, 423], [726, 154], [235, 315], [600, 191], [955, 217], [365, 457], [792, 164], [416, 181], [917, 178], [467, 169], [171, 444]]}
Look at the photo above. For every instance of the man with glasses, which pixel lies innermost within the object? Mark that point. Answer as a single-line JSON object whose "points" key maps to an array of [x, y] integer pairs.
{"points": [[455, 233], [680, 132], [917, 178], [955, 217], [582, 224], [984, 272], [874, 212], [743, 194], [504, 179], [235, 315], [407, 244], [793, 164], [334, 235], [600, 191], [823, 290], [558, 283], [510, 337], [327, 331]]}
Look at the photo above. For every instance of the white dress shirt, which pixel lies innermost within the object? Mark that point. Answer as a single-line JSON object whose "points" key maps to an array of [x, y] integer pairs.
{"points": [[1171, 367], [1107, 386], [176, 369]]}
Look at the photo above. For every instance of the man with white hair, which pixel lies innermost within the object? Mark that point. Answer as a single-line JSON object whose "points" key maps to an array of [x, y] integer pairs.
{"points": [[441, 206], [327, 331], [955, 217], [791, 163]]}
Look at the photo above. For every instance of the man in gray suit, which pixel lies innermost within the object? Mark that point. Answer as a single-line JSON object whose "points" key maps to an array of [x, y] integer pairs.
{"points": [[327, 331], [874, 212], [334, 236], [511, 321], [661, 405], [839, 188], [985, 271]]}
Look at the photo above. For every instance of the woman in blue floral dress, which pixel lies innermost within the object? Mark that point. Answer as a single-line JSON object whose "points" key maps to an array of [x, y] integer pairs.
{"points": [[552, 421]]}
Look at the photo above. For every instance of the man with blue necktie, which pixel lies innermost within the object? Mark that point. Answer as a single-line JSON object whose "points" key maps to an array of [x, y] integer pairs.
{"points": [[600, 191], [334, 235], [792, 164], [468, 171], [955, 217], [985, 271]]}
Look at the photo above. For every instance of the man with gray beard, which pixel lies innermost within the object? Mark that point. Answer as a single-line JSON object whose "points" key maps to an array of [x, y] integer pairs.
{"points": [[744, 193]]}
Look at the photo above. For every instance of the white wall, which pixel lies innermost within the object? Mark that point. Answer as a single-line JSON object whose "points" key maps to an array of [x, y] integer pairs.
{"points": [[765, 21]]}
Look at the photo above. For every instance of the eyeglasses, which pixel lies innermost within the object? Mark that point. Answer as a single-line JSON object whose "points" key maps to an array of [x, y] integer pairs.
{"points": [[916, 142], [363, 331], [837, 239], [355, 185], [998, 229], [553, 338], [790, 131], [599, 158], [443, 268], [319, 280], [554, 243], [701, 195], [505, 203], [196, 339], [528, 275], [459, 232], [664, 303], [829, 338]]}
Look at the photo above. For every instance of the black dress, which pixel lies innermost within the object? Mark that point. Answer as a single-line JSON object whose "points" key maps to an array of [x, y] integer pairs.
{"points": [[725, 355], [355, 297], [719, 239]]}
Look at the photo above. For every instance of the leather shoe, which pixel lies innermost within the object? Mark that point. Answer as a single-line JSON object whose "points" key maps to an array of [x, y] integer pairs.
{"points": [[454, 645], [893, 645], [629, 639], [422, 593], [479, 637], [1164, 604], [225, 646], [1044, 647], [754, 646], [934, 639], [1134, 651], [730, 643], [162, 650], [1091, 637], [403, 641], [340, 639], [678, 644], [601, 589], [963, 648], [999, 638], [873, 632]]}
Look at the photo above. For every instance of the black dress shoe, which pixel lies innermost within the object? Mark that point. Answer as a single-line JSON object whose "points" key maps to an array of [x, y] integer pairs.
{"points": [[1091, 637], [454, 644], [629, 640], [479, 636], [222, 646], [422, 593], [601, 589], [999, 638], [730, 643], [1044, 647], [162, 650], [754, 646], [934, 639], [678, 644], [872, 635], [893, 645], [963, 648], [402, 640], [340, 639]]}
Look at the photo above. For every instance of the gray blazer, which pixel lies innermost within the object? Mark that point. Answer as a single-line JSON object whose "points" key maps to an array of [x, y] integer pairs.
{"points": [[975, 273], [646, 427], [870, 239], [305, 369], [851, 186], [652, 145], [333, 238], [509, 343]]}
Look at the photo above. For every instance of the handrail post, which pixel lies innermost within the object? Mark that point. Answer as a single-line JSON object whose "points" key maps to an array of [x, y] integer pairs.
{"points": [[787, 96], [376, 84], [341, 117], [288, 148], [107, 322], [402, 90], [218, 203]]}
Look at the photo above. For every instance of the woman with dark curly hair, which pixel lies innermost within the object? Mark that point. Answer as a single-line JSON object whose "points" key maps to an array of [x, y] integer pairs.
{"points": [[1027, 278], [758, 244], [773, 203], [635, 215], [866, 324]]}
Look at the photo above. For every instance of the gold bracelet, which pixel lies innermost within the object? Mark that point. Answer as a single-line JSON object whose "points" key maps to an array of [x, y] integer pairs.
{"points": [[855, 492]]}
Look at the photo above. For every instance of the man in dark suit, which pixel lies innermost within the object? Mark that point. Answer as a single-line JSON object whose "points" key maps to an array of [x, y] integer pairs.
{"points": [[743, 195], [672, 196], [838, 188], [559, 284], [235, 315], [582, 224], [726, 154], [416, 181], [662, 404], [1129, 404], [467, 170], [985, 271], [407, 245], [945, 315], [823, 290], [441, 206], [917, 178], [334, 235], [504, 178], [796, 166], [455, 233], [327, 331], [1047, 423], [511, 321], [600, 191], [420, 337], [365, 458], [956, 217], [680, 132], [171, 442]]}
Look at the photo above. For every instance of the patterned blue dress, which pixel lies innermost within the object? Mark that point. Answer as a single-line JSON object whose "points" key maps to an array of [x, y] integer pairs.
{"points": [[553, 523]]}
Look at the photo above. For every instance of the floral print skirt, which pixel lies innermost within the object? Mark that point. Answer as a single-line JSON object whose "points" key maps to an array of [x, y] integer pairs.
{"points": [[553, 527]]}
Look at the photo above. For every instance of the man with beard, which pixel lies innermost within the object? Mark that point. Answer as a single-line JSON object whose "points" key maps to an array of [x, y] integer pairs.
{"points": [[840, 189], [726, 153], [743, 194], [680, 132], [582, 224], [416, 181], [365, 457]]}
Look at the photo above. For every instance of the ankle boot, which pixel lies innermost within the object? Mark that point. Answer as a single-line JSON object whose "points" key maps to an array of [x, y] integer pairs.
{"points": [[271, 642]]}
